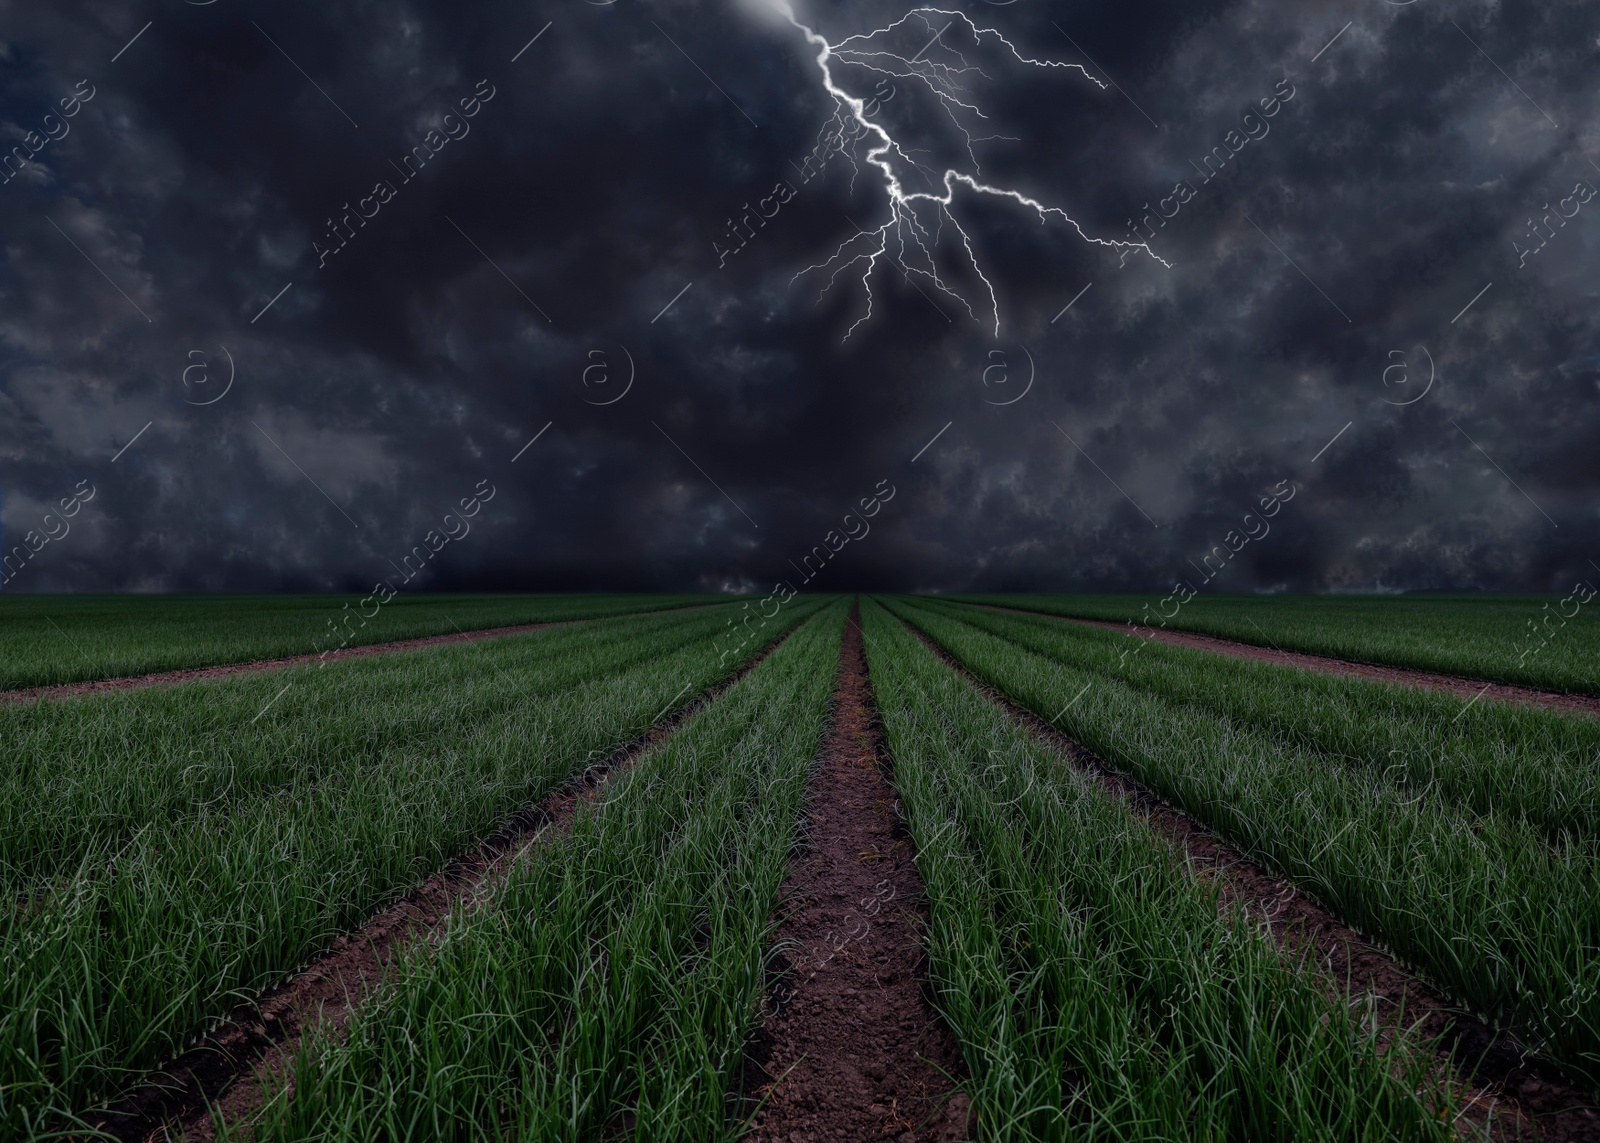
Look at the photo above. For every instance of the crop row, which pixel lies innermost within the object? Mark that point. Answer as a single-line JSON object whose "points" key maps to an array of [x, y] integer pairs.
{"points": [[1097, 990], [1491, 758], [615, 974], [1498, 912], [1541, 641], [174, 850], [54, 639]]}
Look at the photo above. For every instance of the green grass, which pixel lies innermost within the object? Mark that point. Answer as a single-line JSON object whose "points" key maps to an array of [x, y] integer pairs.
{"points": [[1475, 636], [47, 639], [1498, 913], [173, 850], [607, 987], [1096, 990], [1492, 758]]}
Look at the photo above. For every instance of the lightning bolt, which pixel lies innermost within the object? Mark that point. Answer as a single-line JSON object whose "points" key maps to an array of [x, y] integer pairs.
{"points": [[914, 228]]}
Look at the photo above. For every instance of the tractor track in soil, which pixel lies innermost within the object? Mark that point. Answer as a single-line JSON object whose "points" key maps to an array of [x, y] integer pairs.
{"points": [[234, 1066], [1458, 685], [1531, 1098], [850, 1048]]}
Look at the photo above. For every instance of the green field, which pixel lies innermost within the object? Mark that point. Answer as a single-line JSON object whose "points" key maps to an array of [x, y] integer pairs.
{"points": [[228, 829], [47, 639], [1499, 904], [1109, 998], [171, 851], [618, 970], [1536, 640]]}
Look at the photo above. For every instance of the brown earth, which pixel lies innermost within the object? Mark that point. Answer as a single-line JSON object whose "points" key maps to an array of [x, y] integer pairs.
{"points": [[1471, 689], [235, 1066], [1528, 1098], [851, 1049]]}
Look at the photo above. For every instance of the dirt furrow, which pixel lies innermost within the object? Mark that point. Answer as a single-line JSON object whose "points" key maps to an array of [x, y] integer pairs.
{"points": [[1456, 684], [1528, 1098], [223, 670], [233, 1066], [850, 1048]]}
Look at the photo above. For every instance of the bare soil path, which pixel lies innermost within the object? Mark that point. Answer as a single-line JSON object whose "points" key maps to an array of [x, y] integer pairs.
{"points": [[1529, 1099], [1405, 676], [223, 670], [851, 1050], [234, 1067]]}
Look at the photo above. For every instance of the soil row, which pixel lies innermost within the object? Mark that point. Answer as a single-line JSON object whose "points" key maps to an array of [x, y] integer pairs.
{"points": [[235, 1066], [1528, 1099], [1458, 685], [850, 1048], [223, 670]]}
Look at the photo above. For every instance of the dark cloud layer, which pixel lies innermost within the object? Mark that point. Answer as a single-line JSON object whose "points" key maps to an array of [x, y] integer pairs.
{"points": [[579, 219]]}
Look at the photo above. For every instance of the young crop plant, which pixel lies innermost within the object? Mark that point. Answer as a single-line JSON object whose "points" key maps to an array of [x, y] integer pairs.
{"points": [[54, 639], [225, 832], [1490, 758], [1493, 909], [607, 987], [1097, 990], [1544, 641]]}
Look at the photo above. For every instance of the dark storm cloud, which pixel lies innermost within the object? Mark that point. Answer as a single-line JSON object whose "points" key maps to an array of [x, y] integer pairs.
{"points": [[570, 230]]}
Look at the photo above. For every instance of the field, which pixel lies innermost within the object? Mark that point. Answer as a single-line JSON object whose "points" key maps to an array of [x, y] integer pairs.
{"points": [[614, 878]]}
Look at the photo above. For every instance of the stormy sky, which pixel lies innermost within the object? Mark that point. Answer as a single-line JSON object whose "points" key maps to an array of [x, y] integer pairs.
{"points": [[1061, 291]]}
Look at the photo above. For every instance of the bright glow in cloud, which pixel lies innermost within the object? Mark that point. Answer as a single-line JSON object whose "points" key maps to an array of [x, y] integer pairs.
{"points": [[910, 236]]}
